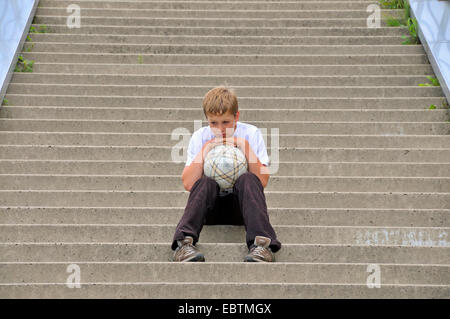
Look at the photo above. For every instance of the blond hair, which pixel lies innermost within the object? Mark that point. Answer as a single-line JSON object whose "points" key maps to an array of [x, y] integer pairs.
{"points": [[220, 100]]}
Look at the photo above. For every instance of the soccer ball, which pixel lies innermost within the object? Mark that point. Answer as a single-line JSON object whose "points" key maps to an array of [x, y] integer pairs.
{"points": [[225, 163]]}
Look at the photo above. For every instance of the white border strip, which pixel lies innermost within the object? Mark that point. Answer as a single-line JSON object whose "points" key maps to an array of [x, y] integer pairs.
{"points": [[4, 85]]}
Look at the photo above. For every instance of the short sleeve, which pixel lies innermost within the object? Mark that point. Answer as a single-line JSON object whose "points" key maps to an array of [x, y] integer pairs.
{"points": [[195, 146], [260, 148]]}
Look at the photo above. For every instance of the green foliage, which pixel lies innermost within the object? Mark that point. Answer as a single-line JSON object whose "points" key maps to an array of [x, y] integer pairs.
{"points": [[5, 102], [406, 21], [394, 22], [412, 27], [392, 4], [433, 82], [30, 48], [140, 59], [42, 29], [24, 65], [432, 107], [445, 104], [406, 9]]}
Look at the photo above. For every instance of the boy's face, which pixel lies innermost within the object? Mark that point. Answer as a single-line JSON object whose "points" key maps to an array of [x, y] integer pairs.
{"points": [[223, 125]]}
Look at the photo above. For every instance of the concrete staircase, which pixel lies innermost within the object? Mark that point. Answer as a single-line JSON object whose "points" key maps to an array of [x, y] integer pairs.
{"points": [[85, 155]]}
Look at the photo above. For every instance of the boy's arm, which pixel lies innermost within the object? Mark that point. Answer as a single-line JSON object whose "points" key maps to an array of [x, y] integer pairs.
{"points": [[194, 171], [254, 165]]}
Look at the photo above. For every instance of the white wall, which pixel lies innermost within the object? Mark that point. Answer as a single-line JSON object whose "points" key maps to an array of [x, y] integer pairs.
{"points": [[15, 19]]}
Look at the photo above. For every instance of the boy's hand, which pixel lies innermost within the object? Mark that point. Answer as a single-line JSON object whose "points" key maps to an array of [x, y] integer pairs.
{"points": [[209, 145], [233, 141], [240, 142]]}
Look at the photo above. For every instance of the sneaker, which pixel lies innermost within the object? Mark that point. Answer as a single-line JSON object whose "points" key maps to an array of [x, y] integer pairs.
{"points": [[186, 251], [260, 251]]}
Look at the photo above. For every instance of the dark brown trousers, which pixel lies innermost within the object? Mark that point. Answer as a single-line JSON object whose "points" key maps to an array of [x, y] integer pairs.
{"points": [[246, 205]]}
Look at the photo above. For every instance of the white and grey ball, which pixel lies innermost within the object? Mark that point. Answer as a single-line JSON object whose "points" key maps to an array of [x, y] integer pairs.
{"points": [[225, 163]]}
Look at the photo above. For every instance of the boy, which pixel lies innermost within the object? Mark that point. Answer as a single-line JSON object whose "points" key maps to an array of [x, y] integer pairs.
{"points": [[245, 204]]}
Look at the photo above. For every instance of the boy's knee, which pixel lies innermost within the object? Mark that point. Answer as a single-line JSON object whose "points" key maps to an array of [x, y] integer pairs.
{"points": [[205, 180], [248, 177]]}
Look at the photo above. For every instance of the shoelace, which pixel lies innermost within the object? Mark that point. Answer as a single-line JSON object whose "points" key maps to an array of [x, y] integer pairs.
{"points": [[258, 250], [187, 248]]}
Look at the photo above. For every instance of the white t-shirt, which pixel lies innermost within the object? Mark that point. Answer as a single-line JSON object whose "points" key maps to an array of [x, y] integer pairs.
{"points": [[248, 131]]}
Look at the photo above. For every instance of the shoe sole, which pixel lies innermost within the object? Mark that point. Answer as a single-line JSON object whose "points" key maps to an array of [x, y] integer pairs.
{"points": [[253, 260], [196, 258]]}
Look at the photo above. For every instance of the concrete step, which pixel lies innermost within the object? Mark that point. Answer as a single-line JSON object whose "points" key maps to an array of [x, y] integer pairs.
{"points": [[229, 22], [278, 216], [285, 199], [171, 154], [216, 40], [259, 103], [298, 168], [173, 183], [208, 14], [226, 31], [232, 70], [255, 59], [343, 235], [180, 114], [216, 5], [220, 291], [220, 252], [285, 80], [132, 272], [285, 140], [284, 127], [269, 91], [155, 48]]}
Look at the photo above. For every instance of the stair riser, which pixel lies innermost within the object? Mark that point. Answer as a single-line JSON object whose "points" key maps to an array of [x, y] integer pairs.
{"points": [[164, 199], [212, 59], [237, 273], [407, 80], [282, 216], [226, 234], [230, 22], [228, 31], [244, 102], [443, 141], [225, 13], [442, 128], [219, 291], [169, 168], [165, 154], [233, 70], [59, 252], [17, 88], [202, 5], [180, 114], [162, 183], [216, 40]]}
